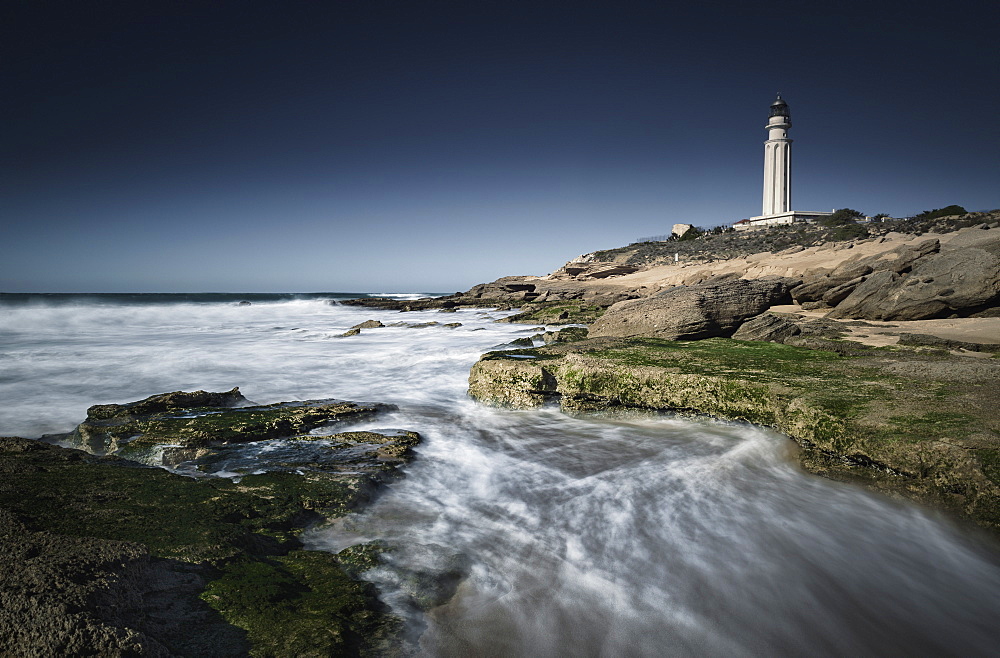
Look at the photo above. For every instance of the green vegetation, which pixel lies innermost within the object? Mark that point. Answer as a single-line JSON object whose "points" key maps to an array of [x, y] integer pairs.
{"points": [[242, 536], [941, 212], [842, 217], [301, 604], [117, 428], [560, 312]]}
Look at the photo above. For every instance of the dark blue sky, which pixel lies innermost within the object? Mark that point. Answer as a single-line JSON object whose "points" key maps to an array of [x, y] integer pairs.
{"points": [[415, 146]]}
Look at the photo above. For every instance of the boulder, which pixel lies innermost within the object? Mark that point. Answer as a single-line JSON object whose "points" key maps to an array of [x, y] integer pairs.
{"points": [[766, 327], [368, 324], [693, 312], [958, 282]]}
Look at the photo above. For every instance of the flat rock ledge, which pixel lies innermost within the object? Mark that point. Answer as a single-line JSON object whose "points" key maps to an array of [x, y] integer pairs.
{"points": [[912, 423]]}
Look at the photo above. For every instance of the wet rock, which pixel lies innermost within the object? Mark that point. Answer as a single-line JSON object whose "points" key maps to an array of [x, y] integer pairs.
{"points": [[121, 560], [350, 332], [141, 430], [693, 312], [368, 324], [452, 325]]}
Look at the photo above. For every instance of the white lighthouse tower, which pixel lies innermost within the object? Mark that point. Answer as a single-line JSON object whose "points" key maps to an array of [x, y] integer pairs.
{"points": [[778, 160], [778, 174]]}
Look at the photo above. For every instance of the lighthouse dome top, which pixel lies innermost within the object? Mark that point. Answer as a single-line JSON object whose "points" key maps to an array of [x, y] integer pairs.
{"points": [[779, 108]]}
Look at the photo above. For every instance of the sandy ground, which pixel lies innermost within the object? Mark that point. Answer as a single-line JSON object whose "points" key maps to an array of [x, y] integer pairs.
{"points": [[792, 263]]}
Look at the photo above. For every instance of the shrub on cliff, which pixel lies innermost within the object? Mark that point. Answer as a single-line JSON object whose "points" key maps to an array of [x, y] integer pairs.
{"points": [[841, 217], [941, 212]]}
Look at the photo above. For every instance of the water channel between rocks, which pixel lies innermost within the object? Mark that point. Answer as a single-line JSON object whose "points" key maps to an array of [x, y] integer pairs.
{"points": [[603, 534]]}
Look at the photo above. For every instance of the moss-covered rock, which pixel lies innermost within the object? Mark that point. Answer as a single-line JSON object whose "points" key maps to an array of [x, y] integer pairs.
{"points": [[185, 425], [138, 557], [557, 312], [913, 423]]}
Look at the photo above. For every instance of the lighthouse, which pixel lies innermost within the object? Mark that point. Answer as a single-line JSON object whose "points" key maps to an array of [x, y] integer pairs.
{"points": [[778, 160], [778, 174]]}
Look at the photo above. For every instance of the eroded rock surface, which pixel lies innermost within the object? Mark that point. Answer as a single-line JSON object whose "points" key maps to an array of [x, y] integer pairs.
{"points": [[960, 281], [693, 312]]}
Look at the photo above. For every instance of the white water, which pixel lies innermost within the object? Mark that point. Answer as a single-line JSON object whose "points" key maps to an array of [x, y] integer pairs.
{"points": [[610, 535]]}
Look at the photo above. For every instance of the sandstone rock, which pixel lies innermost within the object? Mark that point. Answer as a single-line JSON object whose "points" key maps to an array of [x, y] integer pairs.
{"points": [[835, 295], [354, 331], [680, 229], [368, 324], [766, 327], [813, 289], [692, 312], [956, 282], [842, 280]]}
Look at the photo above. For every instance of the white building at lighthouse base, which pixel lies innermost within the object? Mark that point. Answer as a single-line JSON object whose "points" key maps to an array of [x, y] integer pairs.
{"points": [[790, 217]]}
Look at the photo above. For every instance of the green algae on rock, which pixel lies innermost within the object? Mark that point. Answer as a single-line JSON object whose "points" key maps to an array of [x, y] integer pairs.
{"points": [[917, 424], [557, 312], [227, 550], [190, 423]]}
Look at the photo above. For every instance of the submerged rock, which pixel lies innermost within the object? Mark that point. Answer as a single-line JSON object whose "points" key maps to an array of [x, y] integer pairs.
{"points": [[104, 556]]}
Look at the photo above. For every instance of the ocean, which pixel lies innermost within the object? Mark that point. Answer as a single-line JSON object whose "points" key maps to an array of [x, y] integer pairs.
{"points": [[604, 534]]}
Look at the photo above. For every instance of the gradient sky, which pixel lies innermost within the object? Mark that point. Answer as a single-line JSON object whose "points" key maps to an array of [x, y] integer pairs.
{"points": [[428, 146]]}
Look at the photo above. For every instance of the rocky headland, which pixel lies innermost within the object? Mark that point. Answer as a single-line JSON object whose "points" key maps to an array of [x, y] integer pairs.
{"points": [[876, 354]]}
